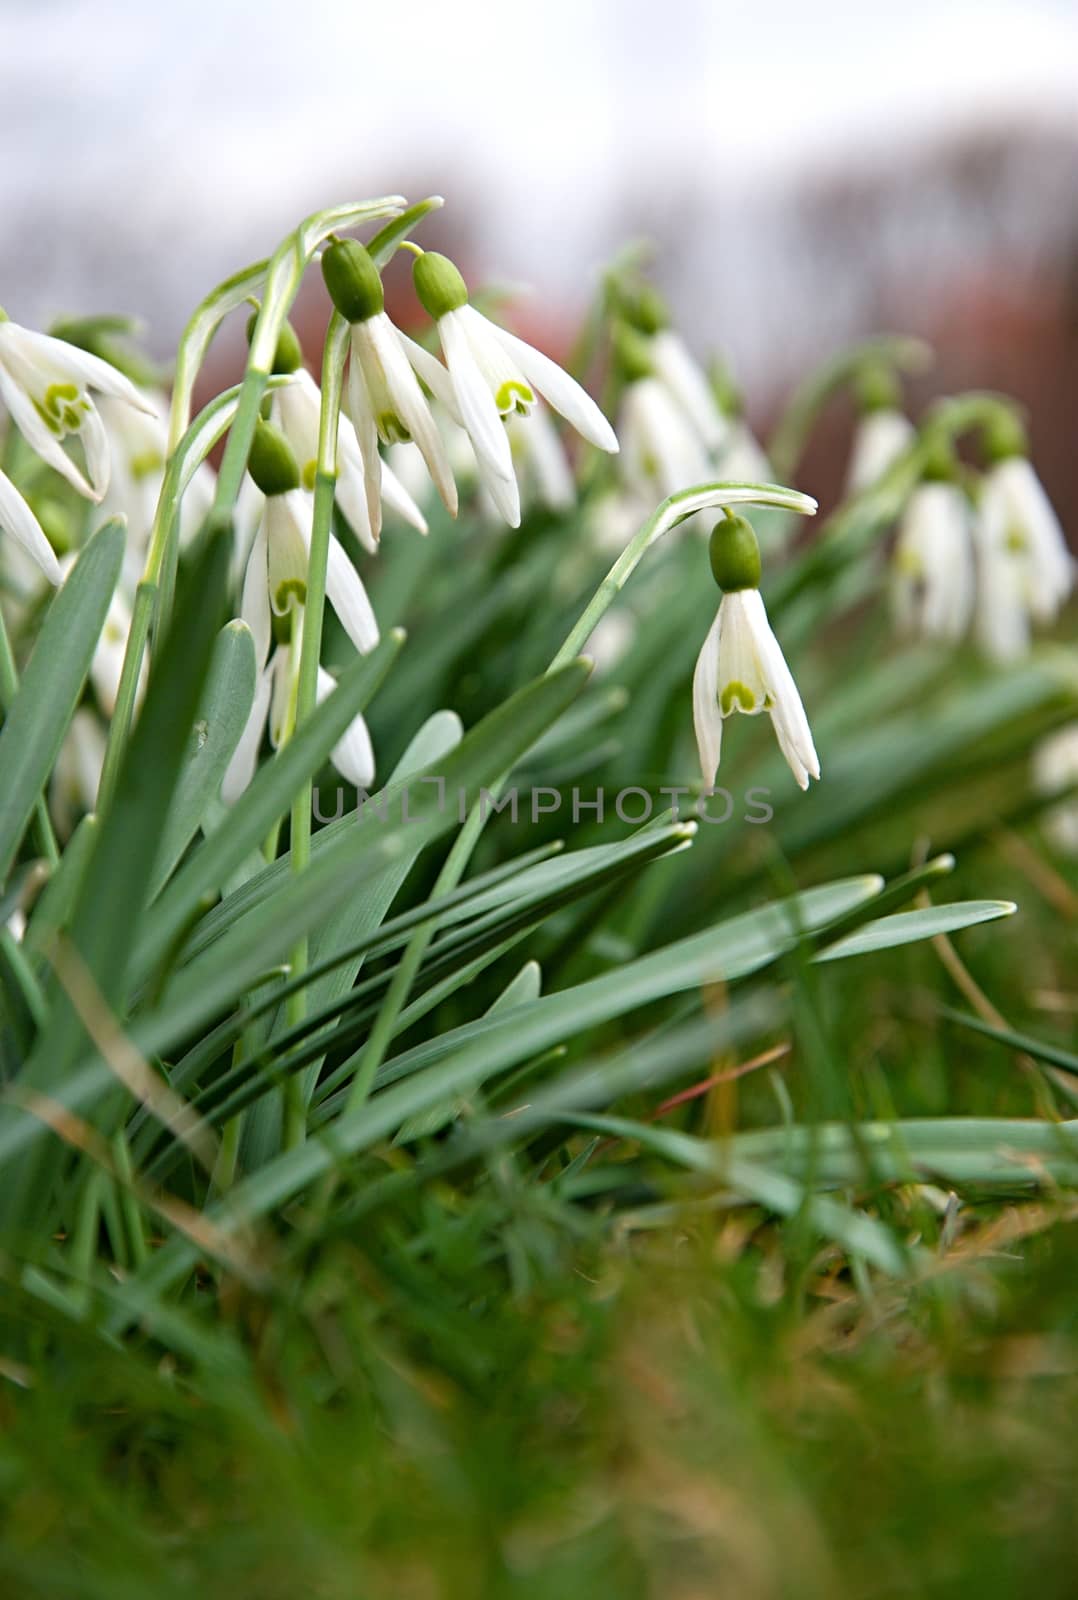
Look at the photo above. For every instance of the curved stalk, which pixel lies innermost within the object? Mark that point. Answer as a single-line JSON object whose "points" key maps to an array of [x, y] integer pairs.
{"points": [[334, 356], [666, 517]]}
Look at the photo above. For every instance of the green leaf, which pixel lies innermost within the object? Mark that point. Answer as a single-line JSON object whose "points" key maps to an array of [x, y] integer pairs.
{"points": [[53, 682], [906, 927], [365, 847], [386, 240], [222, 714], [267, 800]]}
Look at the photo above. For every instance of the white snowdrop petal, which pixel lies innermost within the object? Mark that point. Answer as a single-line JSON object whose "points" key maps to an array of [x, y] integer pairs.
{"points": [[481, 418], [352, 755], [411, 405], [17, 520], [95, 443], [366, 431], [255, 602], [433, 374], [37, 435], [707, 718], [881, 437], [787, 711], [687, 383], [241, 768], [91, 372], [348, 597], [560, 391]]}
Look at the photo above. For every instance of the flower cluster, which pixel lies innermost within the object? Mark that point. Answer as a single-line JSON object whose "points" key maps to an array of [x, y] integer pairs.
{"points": [[992, 553]]}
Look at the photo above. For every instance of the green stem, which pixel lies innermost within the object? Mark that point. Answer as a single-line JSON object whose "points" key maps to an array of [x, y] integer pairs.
{"points": [[334, 356], [9, 684], [666, 517]]}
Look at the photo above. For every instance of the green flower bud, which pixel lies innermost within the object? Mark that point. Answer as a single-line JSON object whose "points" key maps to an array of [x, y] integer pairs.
{"points": [[3, 315], [288, 356], [941, 464], [271, 463], [631, 353], [734, 554], [642, 306], [877, 388], [1003, 436], [438, 284], [352, 280]]}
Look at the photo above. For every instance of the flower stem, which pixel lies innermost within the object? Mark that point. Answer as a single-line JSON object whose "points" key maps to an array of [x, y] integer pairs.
{"points": [[334, 355], [673, 510]]}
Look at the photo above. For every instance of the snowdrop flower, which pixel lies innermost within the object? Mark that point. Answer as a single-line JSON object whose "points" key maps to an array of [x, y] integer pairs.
{"points": [[1026, 570], [276, 576], [46, 385], [138, 446], [275, 584], [297, 408], [741, 666], [19, 523], [387, 403], [1055, 767], [934, 571], [883, 434], [688, 386], [494, 375], [662, 454], [661, 450], [647, 318]]}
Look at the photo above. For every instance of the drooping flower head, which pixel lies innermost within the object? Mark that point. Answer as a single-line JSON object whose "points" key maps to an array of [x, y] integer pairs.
{"points": [[741, 666], [884, 432], [1026, 570], [274, 598], [387, 403], [934, 577], [490, 376], [48, 387], [296, 410]]}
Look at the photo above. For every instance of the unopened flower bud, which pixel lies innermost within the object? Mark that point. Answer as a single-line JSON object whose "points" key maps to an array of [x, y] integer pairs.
{"points": [[288, 356], [734, 554], [1003, 436], [271, 463], [352, 280], [641, 306], [632, 354], [438, 284], [877, 388]]}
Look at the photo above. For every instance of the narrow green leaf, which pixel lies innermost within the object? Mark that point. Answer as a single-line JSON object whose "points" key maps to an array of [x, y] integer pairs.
{"points": [[221, 717], [53, 682], [906, 927]]}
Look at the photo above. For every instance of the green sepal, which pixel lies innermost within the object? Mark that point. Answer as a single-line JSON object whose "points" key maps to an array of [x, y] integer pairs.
{"points": [[734, 554], [352, 280], [640, 304], [877, 388], [438, 284], [271, 463], [288, 356], [1003, 435], [632, 355]]}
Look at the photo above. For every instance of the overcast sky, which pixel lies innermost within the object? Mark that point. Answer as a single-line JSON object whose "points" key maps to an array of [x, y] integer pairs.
{"points": [[199, 130]]}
